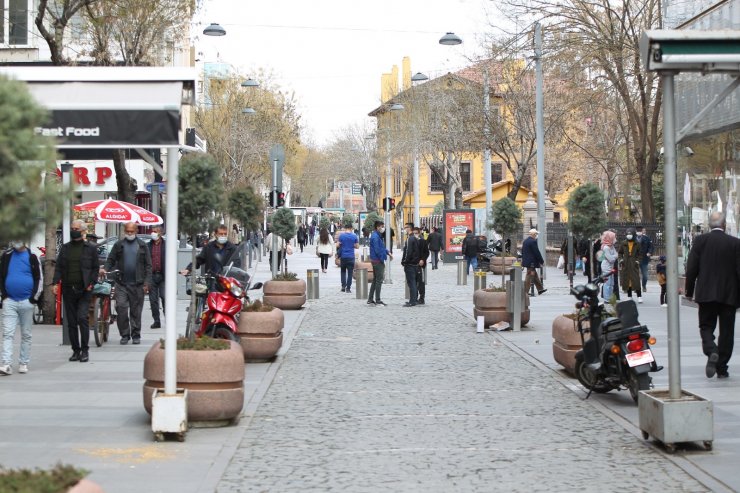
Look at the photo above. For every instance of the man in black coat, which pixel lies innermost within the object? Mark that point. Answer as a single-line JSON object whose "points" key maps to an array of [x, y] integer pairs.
{"points": [[470, 250], [532, 260], [423, 255], [434, 241], [411, 261], [713, 271]]}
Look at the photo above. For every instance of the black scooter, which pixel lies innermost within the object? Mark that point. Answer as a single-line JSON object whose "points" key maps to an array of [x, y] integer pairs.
{"points": [[617, 354]]}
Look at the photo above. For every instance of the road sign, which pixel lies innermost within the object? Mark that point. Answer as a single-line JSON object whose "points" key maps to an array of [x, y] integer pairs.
{"points": [[161, 187], [356, 188]]}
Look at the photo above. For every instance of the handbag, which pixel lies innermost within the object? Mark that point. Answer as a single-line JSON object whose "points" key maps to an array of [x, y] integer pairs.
{"points": [[561, 262], [289, 250]]}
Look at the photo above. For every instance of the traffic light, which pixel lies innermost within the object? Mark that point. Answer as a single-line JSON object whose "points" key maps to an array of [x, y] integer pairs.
{"points": [[389, 204], [268, 198], [281, 199]]}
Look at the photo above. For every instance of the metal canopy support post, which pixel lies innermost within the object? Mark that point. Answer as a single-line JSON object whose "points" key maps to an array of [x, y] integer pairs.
{"points": [[273, 247], [170, 276], [487, 151], [387, 279], [417, 213], [66, 225], [540, 127]]}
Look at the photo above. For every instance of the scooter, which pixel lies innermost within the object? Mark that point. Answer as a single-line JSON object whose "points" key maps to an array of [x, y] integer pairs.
{"points": [[224, 303], [617, 354]]}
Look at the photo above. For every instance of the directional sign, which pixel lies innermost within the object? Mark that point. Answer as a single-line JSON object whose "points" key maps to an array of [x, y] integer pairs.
{"points": [[356, 188]]}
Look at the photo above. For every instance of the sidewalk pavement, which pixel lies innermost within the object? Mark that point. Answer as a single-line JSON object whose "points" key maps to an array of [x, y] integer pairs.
{"points": [[368, 399]]}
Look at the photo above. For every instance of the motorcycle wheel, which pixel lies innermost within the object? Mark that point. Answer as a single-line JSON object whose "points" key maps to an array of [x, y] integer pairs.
{"points": [[221, 331], [589, 380], [637, 383]]}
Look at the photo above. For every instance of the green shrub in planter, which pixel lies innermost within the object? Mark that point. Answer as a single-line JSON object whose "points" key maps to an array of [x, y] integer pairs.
{"points": [[56, 480]]}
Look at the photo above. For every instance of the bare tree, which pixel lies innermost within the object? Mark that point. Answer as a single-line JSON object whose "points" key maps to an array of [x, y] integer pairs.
{"points": [[52, 19]]}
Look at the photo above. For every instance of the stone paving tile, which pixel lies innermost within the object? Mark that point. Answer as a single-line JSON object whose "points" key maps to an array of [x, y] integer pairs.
{"points": [[414, 400]]}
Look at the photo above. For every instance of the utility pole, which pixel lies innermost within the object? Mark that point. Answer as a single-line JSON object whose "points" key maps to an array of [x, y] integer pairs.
{"points": [[540, 129], [487, 150]]}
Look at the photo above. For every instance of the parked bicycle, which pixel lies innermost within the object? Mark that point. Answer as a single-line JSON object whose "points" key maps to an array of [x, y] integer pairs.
{"points": [[102, 314], [201, 293]]}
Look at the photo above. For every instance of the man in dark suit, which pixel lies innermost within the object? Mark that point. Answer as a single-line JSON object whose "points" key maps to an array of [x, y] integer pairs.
{"points": [[713, 269]]}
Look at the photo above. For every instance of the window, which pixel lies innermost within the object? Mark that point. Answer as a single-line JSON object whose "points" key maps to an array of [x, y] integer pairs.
{"points": [[497, 172], [465, 176], [397, 181], [15, 22], [435, 183]]}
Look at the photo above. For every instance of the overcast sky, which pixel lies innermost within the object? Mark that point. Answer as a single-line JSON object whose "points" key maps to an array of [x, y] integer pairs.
{"points": [[332, 52]]}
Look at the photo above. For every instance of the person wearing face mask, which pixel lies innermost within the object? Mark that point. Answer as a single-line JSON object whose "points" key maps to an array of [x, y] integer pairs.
{"points": [[411, 262], [646, 251], [217, 254], [156, 289], [421, 270], [77, 269], [378, 255], [629, 265], [435, 242], [20, 288], [131, 257]]}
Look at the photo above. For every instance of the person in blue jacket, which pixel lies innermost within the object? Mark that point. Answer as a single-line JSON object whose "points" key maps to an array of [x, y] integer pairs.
{"points": [[378, 254], [532, 260]]}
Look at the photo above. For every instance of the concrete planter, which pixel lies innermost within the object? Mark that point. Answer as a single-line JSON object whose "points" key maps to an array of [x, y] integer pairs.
{"points": [[214, 380], [566, 342], [363, 265], [261, 334], [501, 265], [286, 295], [492, 305], [85, 486]]}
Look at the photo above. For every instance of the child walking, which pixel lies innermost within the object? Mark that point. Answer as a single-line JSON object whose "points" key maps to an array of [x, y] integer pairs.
{"points": [[660, 271]]}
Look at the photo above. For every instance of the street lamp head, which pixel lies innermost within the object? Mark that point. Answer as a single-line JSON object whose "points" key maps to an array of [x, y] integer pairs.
{"points": [[450, 39], [250, 83], [419, 77], [248, 111], [396, 107], [214, 30]]}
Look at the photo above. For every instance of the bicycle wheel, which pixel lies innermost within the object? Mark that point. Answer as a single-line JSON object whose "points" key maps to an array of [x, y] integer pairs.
{"points": [[105, 319], [93, 319]]}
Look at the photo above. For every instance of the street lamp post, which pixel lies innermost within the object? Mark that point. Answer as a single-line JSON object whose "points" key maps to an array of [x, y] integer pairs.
{"points": [[388, 171], [417, 77]]}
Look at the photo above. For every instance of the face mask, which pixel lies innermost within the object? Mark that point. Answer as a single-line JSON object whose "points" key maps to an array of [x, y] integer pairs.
{"points": [[381, 230], [17, 245], [130, 237], [639, 234], [75, 235], [629, 237], [222, 240], [155, 236]]}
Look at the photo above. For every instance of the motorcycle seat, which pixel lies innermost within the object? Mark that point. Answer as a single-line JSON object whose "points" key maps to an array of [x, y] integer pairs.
{"points": [[625, 332]]}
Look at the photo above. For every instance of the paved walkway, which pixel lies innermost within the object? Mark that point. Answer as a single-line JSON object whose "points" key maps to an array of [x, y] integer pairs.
{"points": [[372, 399]]}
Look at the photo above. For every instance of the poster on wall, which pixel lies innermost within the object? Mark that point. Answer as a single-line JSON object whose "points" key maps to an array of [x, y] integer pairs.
{"points": [[455, 222]]}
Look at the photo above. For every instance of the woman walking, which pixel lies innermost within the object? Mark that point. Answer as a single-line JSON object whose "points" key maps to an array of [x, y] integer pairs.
{"points": [[629, 269], [301, 236], [325, 248], [608, 255]]}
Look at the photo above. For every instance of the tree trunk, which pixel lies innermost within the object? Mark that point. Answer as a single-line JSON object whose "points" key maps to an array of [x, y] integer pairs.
{"points": [[646, 196], [126, 187], [50, 262]]}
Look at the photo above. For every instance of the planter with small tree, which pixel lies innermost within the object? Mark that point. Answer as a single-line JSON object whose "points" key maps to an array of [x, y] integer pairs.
{"points": [[261, 331], [506, 217], [566, 340], [59, 479], [491, 303], [284, 290], [212, 372]]}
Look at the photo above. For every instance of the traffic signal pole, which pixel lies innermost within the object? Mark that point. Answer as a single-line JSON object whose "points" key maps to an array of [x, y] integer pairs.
{"points": [[273, 247]]}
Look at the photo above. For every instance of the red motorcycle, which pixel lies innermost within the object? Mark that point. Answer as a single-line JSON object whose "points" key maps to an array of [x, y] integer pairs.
{"points": [[223, 305]]}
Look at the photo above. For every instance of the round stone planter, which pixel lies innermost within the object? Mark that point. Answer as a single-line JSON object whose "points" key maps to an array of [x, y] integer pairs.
{"points": [[286, 295], [566, 342], [363, 265], [261, 334], [85, 486], [492, 305], [214, 379], [501, 265]]}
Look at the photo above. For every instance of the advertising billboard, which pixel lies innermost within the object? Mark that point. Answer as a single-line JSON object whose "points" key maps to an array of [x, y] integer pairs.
{"points": [[455, 222]]}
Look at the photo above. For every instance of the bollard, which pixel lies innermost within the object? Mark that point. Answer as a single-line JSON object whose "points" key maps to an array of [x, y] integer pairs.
{"points": [[462, 272], [515, 297], [312, 284], [361, 285], [480, 280]]}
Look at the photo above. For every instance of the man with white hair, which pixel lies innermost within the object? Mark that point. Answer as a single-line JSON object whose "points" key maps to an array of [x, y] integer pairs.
{"points": [[77, 269], [532, 260], [713, 271]]}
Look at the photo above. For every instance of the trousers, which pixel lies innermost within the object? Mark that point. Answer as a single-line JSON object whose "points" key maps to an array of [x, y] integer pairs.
{"points": [[709, 313], [377, 284], [76, 305], [156, 293], [129, 304], [17, 313]]}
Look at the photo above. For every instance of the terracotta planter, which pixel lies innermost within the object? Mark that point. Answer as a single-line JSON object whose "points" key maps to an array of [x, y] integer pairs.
{"points": [[261, 334], [85, 486], [566, 342], [363, 265], [492, 305], [286, 295], [214, 379], [501, 265]]}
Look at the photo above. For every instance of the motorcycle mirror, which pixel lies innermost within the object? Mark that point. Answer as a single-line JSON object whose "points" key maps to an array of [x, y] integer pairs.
{"points": [[257, 285]]}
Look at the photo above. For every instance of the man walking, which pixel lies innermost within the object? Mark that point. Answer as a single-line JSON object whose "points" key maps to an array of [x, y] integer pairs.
{"points": [[532, 260], [20, 288], [411, 260], [156, 290], [347, 243], [470, 250], [713, 271], [130, 256], [77, 269], [646, 251], [434, 241], [378, 255], [420, 271]]}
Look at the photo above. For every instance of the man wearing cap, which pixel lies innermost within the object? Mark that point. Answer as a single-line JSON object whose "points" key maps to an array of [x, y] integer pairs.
{"points": [[532, 260]]}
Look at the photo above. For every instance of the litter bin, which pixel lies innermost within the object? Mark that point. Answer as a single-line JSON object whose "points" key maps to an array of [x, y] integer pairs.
{"points": [[361, 285], [480, 280], [312, 284], [462, 272], [515, 297]]}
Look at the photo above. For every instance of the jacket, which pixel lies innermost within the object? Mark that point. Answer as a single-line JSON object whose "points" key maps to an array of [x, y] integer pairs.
{"points": [[326, 248], [423, 249], [470, 246], [629, 269], [378, 252], [164, 254], [531, 256], [713, 269], [89, 262], [411, 253], [208, 256], [143, 261], [646, 247], [35, 273], [435, 241]]}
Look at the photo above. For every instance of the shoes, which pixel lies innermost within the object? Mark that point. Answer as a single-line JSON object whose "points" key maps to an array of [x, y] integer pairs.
{"points": [[22, 368], [84, 357], [344, 290], [75, 356], [155, 325], [136, 341], [124, 341], [639, 299], [379, 303], [723, 374], [644, 289], [542, 291], [347, 290], [6, 370], [711, 368], [371, 302], [407, 305], [420, 302], [664, 305]]}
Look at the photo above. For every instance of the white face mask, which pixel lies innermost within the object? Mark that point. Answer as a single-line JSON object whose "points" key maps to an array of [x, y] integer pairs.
{"points": [[639, 234], [155, 236], [381, 230], [629, 237], [222, 239], [17, 245], [130, 237]]}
